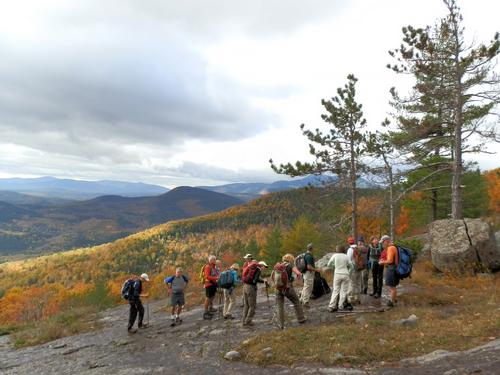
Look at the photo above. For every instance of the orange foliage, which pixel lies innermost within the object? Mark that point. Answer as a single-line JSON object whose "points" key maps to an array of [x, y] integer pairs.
{"points": [[371, 219], [403, 222], [493, 181]]}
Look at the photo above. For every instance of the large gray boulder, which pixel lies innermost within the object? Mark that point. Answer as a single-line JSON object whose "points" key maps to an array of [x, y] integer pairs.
{"points": [[463, 246], [323, 261]]}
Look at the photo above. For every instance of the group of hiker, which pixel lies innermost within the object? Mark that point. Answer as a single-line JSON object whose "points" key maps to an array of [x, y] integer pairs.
{"points": [[351, 263]]}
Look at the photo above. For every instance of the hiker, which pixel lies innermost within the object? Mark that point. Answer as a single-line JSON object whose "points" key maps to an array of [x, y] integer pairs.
{"points": [[176, 286], [134, 300], [287, 290], [248, 258], [374, 250], [389, 259], [341, 279], [228, 290], [250, 277], [355, 276], [363, 252], [308, 276], [210, 274]]}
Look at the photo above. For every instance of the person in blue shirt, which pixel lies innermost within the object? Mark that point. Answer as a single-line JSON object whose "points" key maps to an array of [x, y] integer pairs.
{"points": [[176, 285], [229, 295]]}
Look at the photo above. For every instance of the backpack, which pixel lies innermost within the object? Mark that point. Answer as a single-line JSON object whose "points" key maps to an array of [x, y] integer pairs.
{"points": [[127, 288], [252, 274], [405, 261], [300, 263], [226, 280], [360, 255], [279, 277], [201, 274]]}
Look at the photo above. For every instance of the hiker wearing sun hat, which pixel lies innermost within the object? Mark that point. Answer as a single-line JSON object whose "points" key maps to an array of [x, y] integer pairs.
{"points": [[135, 303]]}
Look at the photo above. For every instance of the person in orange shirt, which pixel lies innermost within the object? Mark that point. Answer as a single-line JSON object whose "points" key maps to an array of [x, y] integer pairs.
{"points": [[390, 260]]}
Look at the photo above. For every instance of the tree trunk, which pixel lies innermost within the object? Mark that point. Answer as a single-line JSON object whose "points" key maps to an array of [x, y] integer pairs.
{"points": [[354, 198], [457, 168], [434, 203], [392, 221]]}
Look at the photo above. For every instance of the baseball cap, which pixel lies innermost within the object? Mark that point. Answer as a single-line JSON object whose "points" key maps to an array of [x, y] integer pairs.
{"points": [[384, 238], [248, 256], [310, 246], [262, 263], [145, 276]]}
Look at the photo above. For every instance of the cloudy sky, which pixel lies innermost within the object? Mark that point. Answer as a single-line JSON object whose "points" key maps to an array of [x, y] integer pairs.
{"points": [[193, 91]]}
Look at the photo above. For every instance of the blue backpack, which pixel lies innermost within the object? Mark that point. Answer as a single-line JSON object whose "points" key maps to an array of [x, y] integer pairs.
{"points": [[405, 266], [226, 280], [127, 288]]}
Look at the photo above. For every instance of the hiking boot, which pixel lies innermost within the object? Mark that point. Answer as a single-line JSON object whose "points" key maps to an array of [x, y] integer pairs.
{"points": [[348, 307], [248, 324], [303, 321], [131, 331], [143, 326], [207, 315], [372, 294], [332, 309], [377, 296], [212, 310], [365, 291], [390, 304], [229, 317]]}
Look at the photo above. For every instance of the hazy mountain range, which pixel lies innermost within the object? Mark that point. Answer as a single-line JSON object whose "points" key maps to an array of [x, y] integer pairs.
{"points": [[41, 227]]}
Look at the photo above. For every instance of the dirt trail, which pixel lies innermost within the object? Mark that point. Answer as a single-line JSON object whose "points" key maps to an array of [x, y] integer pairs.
{"points": [[197, 347]]}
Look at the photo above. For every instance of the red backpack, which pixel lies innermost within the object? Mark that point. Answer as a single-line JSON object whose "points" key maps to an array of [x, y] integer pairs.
{"points": [[279, 277], [360, 255], [251, 273]]}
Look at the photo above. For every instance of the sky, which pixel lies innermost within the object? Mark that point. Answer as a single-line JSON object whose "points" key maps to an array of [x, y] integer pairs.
{"points": [[193, 92]]}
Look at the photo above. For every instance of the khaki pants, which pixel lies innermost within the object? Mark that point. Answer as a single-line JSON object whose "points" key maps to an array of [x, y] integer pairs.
{"points": [[340, 288], [280, 301], [355, 286], [229, 300], [249, 302], [305, 295]]}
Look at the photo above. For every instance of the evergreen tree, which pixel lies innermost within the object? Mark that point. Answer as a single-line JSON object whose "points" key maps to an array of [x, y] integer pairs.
{"points": [[273, 249], [340, 150], [455, 91]]}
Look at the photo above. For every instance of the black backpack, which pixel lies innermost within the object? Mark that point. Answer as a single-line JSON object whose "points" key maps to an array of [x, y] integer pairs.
{"points": [[128, 289], [300, 263]]}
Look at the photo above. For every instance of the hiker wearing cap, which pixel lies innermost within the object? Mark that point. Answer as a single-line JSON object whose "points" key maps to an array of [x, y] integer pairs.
{"points": [[135, 303], [389, 259], [355, 277], [250, 277], [211, 275], [229, 295], [363, 263], [343, 268], [287, 290], [176, 286], [375, 249], [308, 276]]}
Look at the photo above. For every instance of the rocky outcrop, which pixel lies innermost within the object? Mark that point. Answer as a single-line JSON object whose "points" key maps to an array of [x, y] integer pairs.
{"points": [[323, 261], [463, 246]]}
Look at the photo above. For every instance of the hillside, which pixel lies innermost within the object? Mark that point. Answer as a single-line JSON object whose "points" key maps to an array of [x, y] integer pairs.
{"points": [[51, 187], [99, 220]]}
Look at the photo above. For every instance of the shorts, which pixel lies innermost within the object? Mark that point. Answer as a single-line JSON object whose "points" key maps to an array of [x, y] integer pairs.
{"points": [[391, 276], [177, 299], [210, 291]]}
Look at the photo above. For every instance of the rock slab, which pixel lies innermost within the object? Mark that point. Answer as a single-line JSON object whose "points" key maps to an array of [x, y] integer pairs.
{"points": [[463, 246]]}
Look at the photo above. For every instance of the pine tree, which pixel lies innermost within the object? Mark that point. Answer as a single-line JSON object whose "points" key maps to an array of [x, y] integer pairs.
{"points": [[455, 91], [340, 150]]}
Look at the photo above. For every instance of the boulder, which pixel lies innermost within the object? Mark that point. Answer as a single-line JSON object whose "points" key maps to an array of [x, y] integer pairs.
{"points": [[463, 246], [232, 355], [321, 263]]}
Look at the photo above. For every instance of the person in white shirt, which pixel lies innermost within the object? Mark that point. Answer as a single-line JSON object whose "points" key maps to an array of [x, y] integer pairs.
{"points": [[355, 284], [343, 267]]}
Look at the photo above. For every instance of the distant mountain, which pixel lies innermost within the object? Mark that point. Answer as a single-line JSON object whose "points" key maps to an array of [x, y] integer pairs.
{"points": [[30, 200], [99, 220], [249, 191], [52, 187]]}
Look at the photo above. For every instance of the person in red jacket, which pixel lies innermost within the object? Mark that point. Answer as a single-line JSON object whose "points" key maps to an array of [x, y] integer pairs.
{"points": [[211, 276]]}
